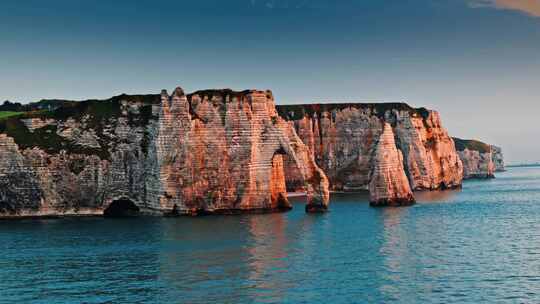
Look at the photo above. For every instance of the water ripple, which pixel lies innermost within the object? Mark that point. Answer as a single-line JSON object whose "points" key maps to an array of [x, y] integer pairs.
{"points": [[481, 244]]}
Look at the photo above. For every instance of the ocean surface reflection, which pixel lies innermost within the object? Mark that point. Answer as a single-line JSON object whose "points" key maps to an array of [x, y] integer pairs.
{"points": [[480, 244]]}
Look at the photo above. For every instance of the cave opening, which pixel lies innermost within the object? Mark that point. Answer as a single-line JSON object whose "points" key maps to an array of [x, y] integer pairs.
{"points": [[122, 208], [7, 208]]}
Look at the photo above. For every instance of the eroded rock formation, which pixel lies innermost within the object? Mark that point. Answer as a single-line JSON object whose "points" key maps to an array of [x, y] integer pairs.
{"points": [[207, 152], [222, 151], [388, 184], [343, 139]]}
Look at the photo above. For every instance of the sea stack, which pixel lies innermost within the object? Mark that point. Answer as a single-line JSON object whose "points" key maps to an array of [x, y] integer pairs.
{"points": [[389, 185]]}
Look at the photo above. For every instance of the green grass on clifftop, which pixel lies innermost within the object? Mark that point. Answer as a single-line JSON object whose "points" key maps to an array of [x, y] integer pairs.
{"points": [[6, 114], [471, 144], [93, 114]]}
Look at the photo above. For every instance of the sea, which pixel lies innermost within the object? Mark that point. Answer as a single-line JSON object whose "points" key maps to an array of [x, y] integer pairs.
{"points": [[480, 244]]}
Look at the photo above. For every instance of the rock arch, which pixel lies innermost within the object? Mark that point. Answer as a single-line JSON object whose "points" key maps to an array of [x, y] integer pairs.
{"points": [[278, 190], [221, 151], [315, 181]]}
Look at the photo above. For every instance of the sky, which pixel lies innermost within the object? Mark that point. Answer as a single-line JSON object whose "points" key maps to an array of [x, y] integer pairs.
{"points": [[475, 61]]}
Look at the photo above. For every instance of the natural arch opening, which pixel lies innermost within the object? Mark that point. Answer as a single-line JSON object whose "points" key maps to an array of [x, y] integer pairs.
{"points": [[304, 176], [294, 180], [277, 183], [122, 208]]}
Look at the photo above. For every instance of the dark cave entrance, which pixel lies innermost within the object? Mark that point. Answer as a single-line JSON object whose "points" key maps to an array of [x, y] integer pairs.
{"points": [[6, 208], [122, 208]]}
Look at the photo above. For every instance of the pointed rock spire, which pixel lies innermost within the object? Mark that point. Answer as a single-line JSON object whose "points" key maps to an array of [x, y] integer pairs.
{"points": [[389, 185]]}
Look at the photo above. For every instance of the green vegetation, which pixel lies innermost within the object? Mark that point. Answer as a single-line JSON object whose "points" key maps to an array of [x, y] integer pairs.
{"points": [[296, 112], [45, 138], [95, 113], [471, 144], [6, 114], [53, 104]]}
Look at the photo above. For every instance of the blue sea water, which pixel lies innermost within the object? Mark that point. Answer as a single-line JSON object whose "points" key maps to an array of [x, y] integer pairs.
{"points": [[477, 245]]}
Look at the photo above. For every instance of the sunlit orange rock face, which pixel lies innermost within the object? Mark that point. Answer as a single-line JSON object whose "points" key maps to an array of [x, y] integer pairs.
{"points": [[389, 185], [343, 139], [215, 151], [429, 152], [222, 152]]}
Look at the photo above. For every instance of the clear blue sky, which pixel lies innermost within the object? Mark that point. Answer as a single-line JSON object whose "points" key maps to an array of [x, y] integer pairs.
{"points": [[476, 61]]}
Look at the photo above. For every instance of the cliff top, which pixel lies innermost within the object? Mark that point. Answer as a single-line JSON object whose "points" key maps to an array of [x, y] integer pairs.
{"points": [[298, 111], [53, 104], [225, 92], [94, 114], [471, 144]]}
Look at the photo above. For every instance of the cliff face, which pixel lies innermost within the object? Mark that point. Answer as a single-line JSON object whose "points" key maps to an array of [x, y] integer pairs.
{"points": [[480, 160], [208, 152], [78, 160], [389, 185], [222, 151], [498, 159], [344, 137]]}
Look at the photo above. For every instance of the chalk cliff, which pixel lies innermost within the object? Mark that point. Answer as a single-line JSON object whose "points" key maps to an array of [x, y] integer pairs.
{"points": [[343, 139], [80, 158], [498, 158], [215, 151], [222, 151], [480, 160]]}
